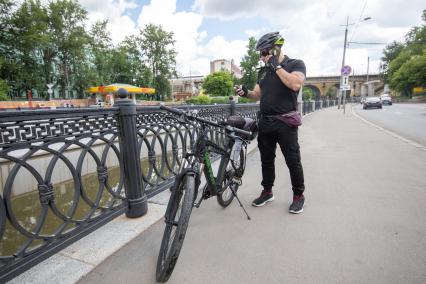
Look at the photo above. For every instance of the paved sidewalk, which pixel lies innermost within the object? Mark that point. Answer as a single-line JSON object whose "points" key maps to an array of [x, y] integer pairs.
{"points": [[363, 223]]}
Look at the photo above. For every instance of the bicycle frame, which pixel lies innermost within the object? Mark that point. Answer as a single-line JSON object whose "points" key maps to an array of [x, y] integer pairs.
{"points": [[203, 165]]}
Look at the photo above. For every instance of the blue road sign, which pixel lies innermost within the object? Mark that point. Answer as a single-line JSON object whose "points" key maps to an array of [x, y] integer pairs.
{"points": [[346, 70]]}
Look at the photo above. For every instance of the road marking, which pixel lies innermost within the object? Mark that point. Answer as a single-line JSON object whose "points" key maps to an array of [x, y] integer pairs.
{"points": [[393, 134]]}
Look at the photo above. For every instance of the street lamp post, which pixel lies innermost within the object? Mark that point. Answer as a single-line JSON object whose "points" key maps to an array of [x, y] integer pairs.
{"points": [[342, 92]]}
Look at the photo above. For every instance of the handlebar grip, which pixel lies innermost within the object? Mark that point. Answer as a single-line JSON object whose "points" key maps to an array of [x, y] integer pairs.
{"points": [[172, 110], [211, 123], [243, 132]]}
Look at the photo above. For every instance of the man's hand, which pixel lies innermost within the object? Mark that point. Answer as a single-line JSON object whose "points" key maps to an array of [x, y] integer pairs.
{"points": [[241, 90], [273, 63]]}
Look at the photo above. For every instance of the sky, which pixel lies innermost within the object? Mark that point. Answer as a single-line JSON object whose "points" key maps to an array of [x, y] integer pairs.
{"points": [[313, 30]]}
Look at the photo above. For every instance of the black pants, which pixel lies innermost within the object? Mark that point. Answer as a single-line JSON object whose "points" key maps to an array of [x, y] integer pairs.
{"points": [[271, 132]]}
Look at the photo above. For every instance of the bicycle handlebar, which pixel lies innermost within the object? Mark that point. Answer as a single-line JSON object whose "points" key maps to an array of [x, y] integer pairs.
{"points": [[205, 121]]}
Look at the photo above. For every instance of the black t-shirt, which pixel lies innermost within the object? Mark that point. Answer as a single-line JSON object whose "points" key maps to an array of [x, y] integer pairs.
{"points": [[276, 97]]}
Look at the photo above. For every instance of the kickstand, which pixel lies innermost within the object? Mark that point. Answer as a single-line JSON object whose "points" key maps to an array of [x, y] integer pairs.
{"points": [[241, 205]]}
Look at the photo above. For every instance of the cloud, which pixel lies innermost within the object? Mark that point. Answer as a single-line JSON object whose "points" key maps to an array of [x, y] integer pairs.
{"points": [[228, 10], [185, 26], [119, 25], [312, 28]]}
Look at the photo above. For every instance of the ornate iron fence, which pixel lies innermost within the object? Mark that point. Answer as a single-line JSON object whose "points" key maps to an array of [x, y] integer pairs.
{"points": [[64, 173], [67, 172]]}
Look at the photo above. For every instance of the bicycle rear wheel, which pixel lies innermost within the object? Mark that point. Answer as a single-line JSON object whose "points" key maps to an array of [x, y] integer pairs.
{"points": [[177, 216], [225, 197]]}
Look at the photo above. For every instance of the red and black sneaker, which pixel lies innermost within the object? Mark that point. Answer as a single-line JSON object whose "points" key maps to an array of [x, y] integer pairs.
{"points": [[265, 196], [298, 203]]}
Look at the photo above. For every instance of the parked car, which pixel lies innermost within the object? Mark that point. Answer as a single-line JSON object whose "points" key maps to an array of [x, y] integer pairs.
{"points": [[386, 99], [372, 102]]}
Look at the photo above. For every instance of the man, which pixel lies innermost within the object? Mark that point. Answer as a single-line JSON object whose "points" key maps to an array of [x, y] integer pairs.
{"points": [[278, 85]]}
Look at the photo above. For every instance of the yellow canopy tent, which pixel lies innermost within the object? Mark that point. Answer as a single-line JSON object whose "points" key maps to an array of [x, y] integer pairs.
{"points": [[113, 88]]}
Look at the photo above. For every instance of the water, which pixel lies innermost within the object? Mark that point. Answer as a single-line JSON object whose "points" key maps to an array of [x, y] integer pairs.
{"points": [[28, 210]]}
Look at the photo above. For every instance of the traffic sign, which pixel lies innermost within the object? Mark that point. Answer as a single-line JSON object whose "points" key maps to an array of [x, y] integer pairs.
{"points": [[345, 87], [345, 80], [346, 70]]}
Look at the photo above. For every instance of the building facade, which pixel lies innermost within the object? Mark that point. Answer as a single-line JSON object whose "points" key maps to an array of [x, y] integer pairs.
{"points": [[225, 65], [185, 87]]}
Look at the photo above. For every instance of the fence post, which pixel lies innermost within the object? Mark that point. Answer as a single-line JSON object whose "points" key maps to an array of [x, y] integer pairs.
{"points": [[232, 105], [135, 195]]}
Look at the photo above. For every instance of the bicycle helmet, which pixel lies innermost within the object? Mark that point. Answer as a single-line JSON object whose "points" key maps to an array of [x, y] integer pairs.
{"points": [[270, 40]]}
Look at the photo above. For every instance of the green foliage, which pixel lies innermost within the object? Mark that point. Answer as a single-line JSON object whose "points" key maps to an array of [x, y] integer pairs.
{"points": [[331, 92], [307, 94], [242, 100], [236, 81], [161, 57], [249, 65], [218, 84], [390, 53], [219, 100], [48, 42], [406, 63], [3, 91], [412, 73], [199, 100]]}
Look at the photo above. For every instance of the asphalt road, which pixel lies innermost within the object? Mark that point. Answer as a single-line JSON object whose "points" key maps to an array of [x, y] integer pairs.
{"points": [[363, 222], [407, 120]]}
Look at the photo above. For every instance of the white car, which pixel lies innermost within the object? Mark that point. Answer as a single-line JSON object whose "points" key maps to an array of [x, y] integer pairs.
{"points": [[386, 99]]}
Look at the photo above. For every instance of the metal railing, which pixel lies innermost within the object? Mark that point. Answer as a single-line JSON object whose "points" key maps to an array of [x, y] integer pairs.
{"points": [[306, 107], [65, 173]]}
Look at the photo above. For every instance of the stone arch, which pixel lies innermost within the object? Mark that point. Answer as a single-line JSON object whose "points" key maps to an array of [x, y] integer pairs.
{"points": [[315, 90], [329, 86]]}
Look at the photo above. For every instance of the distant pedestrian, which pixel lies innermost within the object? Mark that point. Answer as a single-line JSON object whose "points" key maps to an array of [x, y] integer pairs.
{"points": [[278, 85]]}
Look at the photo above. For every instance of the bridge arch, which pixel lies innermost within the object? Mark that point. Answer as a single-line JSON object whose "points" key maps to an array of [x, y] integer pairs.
{"points": [[315, 90], [334, 87]]}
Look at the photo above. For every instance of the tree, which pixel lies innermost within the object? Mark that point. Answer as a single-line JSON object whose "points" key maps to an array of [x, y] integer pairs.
{"points": [[27, 28], [331, 92], [101, 48], [307, 94], [4, 88], [407, 69], [218, 84], [249, 65], [412, 73], [157, 45], [390, 53], [140, 73], [67, 27]]}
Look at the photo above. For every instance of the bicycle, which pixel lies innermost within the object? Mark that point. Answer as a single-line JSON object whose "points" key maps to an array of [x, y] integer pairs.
{"points": [[185, 189]]}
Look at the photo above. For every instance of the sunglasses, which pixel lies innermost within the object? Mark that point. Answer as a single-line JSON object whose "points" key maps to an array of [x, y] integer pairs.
{"points": [[264, 52]]}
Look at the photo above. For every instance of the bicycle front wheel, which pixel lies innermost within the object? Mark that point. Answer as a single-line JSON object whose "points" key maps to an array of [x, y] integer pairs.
{"points": [[177, 216]]}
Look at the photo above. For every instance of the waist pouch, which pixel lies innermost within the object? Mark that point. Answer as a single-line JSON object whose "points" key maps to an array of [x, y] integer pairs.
{"points": [[292, 118]]}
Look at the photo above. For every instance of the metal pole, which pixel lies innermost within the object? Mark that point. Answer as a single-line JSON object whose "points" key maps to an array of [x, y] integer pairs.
{"points": [[368, 66], [343, 61], [232, 105], [135, 195]]}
